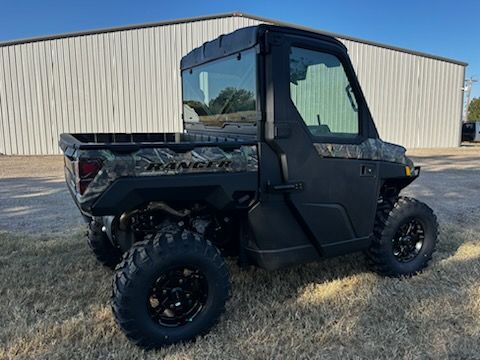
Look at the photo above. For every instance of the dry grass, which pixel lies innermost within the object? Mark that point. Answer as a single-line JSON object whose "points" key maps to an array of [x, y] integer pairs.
{"points": [[54, 303]]}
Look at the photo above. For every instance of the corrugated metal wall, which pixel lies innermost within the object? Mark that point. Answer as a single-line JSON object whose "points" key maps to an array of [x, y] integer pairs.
{"points": [[416, 101], [125, 81], [128, 81]]}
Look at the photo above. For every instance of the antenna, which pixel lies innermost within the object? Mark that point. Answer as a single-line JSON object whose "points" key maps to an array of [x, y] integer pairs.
{"points": [[468, 92]]}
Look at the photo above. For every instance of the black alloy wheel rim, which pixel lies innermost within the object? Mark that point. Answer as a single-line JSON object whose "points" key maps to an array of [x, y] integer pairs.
{"points": [[178, 296], [408, 240]]}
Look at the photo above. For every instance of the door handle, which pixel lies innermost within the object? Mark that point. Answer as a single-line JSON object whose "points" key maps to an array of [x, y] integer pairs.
{"points": [[367, 170], [288, 187]]}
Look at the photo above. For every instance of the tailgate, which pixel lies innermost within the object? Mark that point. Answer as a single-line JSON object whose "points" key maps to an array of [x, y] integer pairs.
{"points": [[69, 168]]}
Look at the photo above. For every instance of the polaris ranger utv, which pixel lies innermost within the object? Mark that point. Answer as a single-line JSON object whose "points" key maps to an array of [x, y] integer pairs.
{"points": [[280, 164]]}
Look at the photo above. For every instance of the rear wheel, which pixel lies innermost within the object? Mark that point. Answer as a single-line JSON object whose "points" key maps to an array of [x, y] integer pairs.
{"points": [[170, 288], [107, 254], [405, 237]]}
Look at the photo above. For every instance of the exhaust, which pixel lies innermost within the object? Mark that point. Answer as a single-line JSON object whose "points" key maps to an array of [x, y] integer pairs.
{"points": [[153, 206]]}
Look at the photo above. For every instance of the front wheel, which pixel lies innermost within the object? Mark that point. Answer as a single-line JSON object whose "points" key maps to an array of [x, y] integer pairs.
{"points": [[405, 236], [169, 289]]}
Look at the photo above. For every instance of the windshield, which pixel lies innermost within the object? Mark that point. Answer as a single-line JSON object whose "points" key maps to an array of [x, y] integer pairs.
{"points": [[222, 91]]}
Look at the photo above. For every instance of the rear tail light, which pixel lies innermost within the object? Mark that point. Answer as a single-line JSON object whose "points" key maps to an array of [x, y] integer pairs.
{"points": [[86, 170]]}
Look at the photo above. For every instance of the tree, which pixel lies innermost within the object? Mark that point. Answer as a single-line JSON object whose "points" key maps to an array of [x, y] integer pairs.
{"points": [[231, 100], [474, 110], [199, 107]]}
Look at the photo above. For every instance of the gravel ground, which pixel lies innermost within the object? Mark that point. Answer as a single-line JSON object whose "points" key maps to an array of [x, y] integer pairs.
{"points": [[449, 182], [34, 197]]}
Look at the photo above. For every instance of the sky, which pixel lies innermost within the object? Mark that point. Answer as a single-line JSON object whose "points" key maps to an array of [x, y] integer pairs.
{"points": [[442, 27]]}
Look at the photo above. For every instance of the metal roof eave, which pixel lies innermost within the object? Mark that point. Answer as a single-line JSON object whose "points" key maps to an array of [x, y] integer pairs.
{"points": [[352, 38], [225, 15]]}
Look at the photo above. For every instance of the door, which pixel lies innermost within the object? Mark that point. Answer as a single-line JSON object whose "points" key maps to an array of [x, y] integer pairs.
{"points": [[321, 119]]}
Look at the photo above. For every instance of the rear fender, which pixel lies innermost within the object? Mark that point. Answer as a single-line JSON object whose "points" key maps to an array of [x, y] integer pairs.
{"points": [[219, 190]]}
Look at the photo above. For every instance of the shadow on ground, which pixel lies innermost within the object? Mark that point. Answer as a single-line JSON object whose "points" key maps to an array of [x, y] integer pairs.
{"points": [[36, 204]]}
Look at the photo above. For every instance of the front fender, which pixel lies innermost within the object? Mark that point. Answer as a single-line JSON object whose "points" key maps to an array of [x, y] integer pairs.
{"points": [[396, 176]]}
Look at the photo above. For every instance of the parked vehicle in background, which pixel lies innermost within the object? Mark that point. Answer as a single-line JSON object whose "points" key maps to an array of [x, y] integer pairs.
{"points": [[280, 164], [471, 131]]}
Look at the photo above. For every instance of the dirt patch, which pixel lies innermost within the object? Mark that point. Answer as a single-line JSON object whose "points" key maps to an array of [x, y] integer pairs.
{"points": [[449, 182], [34, 197]]}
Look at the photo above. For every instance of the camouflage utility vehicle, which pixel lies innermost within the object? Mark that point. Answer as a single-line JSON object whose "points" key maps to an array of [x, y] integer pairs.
{"points": [[279, 164]]}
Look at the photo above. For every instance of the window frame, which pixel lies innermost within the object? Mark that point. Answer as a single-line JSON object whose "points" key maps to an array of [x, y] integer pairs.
{"points": [[192, 125], [327, 48]]}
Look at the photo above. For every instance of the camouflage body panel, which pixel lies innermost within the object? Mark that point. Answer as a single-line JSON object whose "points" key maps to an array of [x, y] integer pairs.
{"points": [[165, 162], [370, 149]]}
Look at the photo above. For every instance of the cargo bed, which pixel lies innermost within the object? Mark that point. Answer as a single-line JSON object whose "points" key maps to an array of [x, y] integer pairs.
{"points": [[96, 161], [135, 141]]}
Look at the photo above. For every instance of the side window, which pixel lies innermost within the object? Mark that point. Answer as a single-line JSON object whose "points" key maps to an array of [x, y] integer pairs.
{"points": [[322, 94]]}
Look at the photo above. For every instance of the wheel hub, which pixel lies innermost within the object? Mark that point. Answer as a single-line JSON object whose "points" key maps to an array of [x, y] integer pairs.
{"points": [[408, 240], [178, 296]]}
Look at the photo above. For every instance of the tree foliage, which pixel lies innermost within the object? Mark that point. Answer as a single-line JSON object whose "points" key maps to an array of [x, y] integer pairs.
{"points": [[199, 107], [474, 110], [231, 100]]}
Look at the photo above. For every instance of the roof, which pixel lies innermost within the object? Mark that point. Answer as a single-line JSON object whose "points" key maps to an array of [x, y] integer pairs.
{"points": [[224, 15], [224, 45], [242, 39]]}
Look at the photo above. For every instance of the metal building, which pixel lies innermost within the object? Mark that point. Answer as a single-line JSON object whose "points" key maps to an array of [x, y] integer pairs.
{"points": [[127, 80]]}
